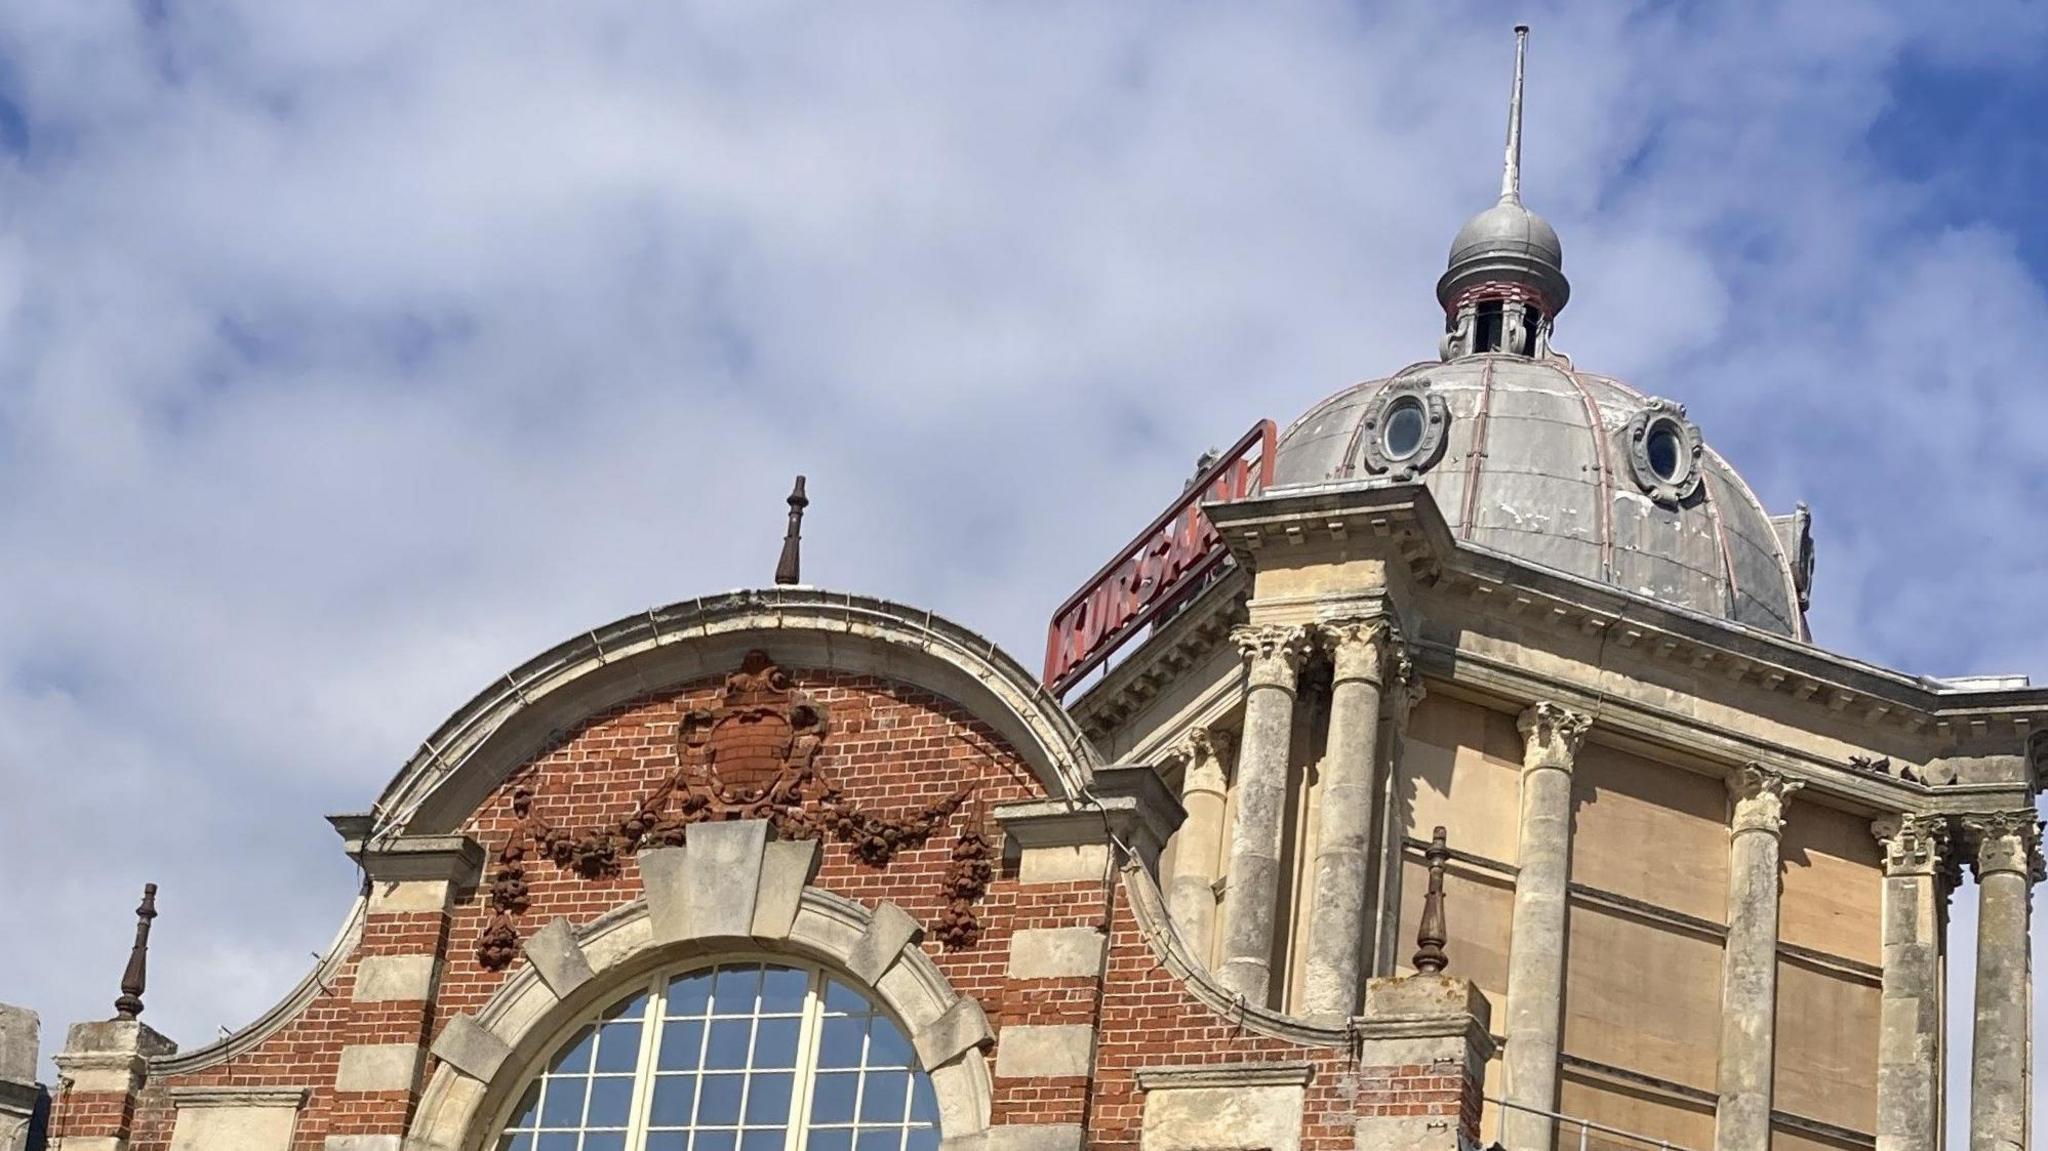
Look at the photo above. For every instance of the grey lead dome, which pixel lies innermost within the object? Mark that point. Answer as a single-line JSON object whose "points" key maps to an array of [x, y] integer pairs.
{"points": [[1534, 463], [1507, 243]]}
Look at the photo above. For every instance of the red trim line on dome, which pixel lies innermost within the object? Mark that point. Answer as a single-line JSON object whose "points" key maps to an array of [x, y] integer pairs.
{"points": [[1598, 430]]}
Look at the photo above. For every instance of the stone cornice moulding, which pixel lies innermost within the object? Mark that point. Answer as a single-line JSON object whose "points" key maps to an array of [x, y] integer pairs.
{"points": [[198, 1097], [1620, 715], [1406, 516], [1279, 1073]]}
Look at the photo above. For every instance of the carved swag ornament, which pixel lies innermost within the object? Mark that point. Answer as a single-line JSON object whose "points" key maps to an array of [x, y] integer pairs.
{"points": [[750, 757]]}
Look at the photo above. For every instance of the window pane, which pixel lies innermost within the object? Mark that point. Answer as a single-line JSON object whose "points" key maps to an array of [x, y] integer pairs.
{"points": [[830, 1139], [887, 1046], [888, 1140], [668, 1141], [735, 990], [618, 1047], [839, 1042], [529, 1106], [883, 1097], [562, 1105], [782, 991], [728, 1046], [843, 999], [576, 1057], [923, 1108], [688, 994], [682, 1043], [832, 1098], [558, 1141], [922, 1139], [611, 1097], [775, 1043], [718, 1099], [605, 1141], [515, 1143], [768, 1099], [712, 1141], [674, 1096], [763, 1139]]}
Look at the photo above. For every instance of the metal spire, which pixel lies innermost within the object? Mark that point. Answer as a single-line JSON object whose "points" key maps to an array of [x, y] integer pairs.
{"points": [[1511, 174], [788, 568], [129, 1005]]}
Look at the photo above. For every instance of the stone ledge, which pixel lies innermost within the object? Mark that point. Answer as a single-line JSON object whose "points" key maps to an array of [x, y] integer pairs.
{"points": [[1283, 1073], [193, 1097], [1056, 953]]}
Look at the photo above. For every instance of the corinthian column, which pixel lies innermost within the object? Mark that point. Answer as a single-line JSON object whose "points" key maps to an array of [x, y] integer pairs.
{"points": [[1749, 971], [1272, 660], [2008, 862], [1543, 858], [1336, 940], [1198, 849], [1909, 1030]]}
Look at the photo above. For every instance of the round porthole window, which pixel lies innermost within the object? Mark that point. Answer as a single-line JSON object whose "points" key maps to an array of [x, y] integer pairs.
{"points": [[1664, 452], [1401, 438], [1666, 447], [1402, 433]]}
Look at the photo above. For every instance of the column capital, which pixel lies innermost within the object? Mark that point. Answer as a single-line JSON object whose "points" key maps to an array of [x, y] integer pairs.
{"points": [[1914, 845], [1358, 646], [1202, 751], [1760, 794], [1272, 652], [2005, 841], [1551, 734]]}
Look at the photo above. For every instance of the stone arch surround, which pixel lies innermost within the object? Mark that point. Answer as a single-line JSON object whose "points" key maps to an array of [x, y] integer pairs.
{"points": [[484, 1057], [504, 726]]}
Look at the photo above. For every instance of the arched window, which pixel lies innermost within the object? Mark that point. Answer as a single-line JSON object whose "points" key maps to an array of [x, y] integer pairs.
{"points": [[739, 1056]]}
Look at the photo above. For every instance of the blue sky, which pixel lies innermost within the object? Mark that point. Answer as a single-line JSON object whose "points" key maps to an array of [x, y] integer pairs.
{"points": [[350, 355]]}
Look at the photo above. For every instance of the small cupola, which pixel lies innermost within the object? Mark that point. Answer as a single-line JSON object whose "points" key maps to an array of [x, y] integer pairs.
{"points": [[1505, 284]]}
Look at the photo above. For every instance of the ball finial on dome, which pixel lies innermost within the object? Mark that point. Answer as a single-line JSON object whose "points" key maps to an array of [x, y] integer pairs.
{"points": [[1506, 254]]}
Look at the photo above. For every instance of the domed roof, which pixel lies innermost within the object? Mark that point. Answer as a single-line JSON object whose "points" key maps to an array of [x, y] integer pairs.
{"points": [[1507, 243], [1573, 471]]}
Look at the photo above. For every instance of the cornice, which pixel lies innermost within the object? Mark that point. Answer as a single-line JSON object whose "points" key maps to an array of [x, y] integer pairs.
{"points": [[1156, 661]]}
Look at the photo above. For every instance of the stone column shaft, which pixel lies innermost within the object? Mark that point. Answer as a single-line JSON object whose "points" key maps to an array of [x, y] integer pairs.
{"points": [[1251, 893], [1916, 886], [2008, 862], [1543, 861], [1336, 943], [1198, 850], [1749, 971]]}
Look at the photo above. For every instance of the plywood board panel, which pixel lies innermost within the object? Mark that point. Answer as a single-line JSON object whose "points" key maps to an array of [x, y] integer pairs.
{"points": [[1461, 768], [1651, 832], [1826, 1065], [1642, 996], [1685, 1123], [1834, 883], [1478, 911]]}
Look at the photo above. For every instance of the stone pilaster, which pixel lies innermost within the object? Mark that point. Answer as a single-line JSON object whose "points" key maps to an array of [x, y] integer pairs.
{"points": [[1251, 894], [413, 885], [99, 1075], [1749, 973], [22, 1101], [1551, 737], [2007, 847], [1917, 880], [1336, 940], [1198, 849]]}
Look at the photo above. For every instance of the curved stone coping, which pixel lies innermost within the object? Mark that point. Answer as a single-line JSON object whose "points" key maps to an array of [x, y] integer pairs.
{"points": [[1148, 906], [483, 1059], [241, 1042], [507, 723]]}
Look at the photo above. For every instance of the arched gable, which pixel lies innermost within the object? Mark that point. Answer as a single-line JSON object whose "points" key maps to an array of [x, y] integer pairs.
{"points": [[506, 725]]}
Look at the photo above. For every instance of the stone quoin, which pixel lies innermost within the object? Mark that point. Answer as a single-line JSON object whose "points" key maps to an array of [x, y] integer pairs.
{"points": [[1468, 776]]}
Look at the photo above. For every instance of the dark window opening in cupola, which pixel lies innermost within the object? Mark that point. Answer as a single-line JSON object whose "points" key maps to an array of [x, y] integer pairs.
{"points": [[1487, 329], [1530, 319]]}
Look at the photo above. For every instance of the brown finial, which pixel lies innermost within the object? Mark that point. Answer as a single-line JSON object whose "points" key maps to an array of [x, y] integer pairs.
{"points": [[129, 1005], [788, 568], [1430, 937]]}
